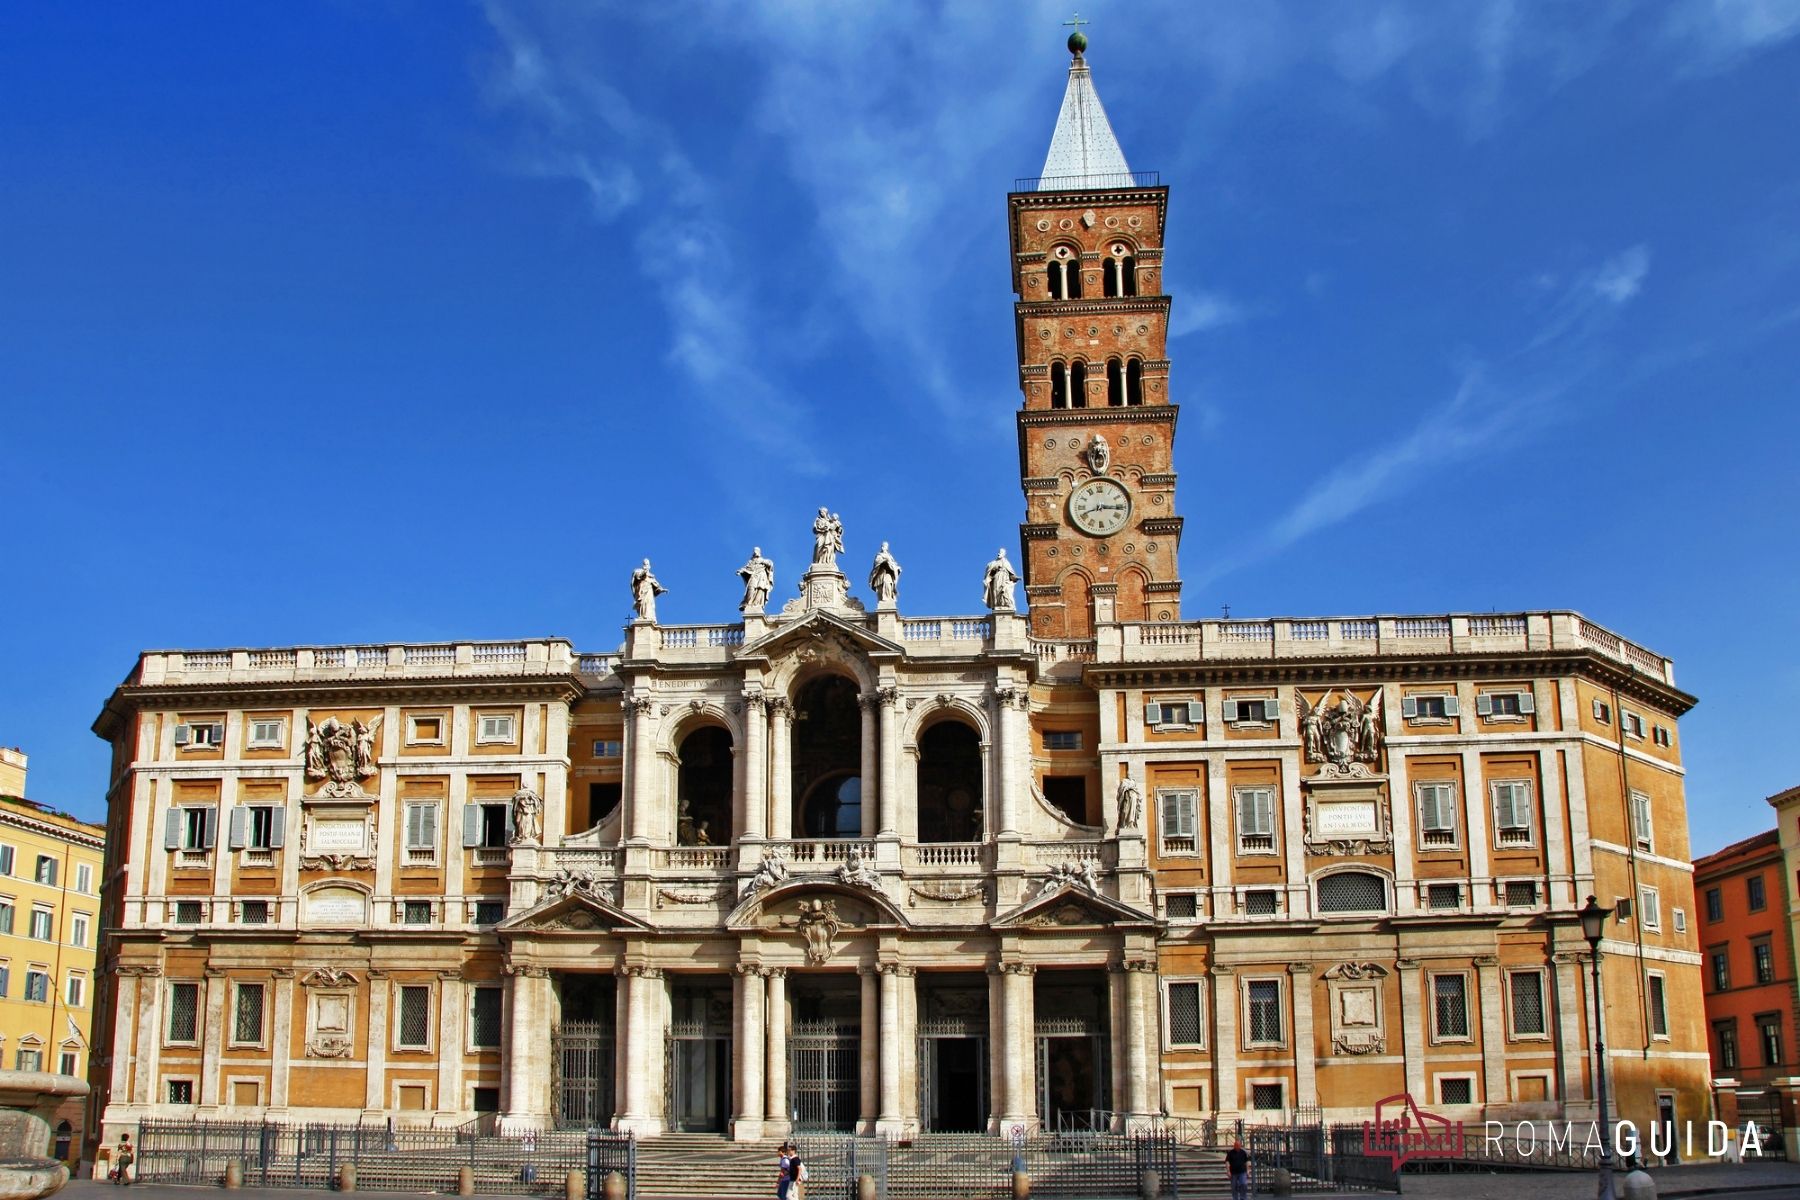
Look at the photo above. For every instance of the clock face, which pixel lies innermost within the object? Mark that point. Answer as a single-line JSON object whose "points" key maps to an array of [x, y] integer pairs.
{"points": [[1099, 507]]}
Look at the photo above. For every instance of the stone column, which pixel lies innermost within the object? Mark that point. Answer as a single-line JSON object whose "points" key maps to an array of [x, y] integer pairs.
{"points": [[747, 1054], [870, 1053], [375, 1044], [1141, 1030], [1412, 1016], [998, 1054], [644, 1081], [281, 1036], [775, 1056], [640, 782], [528, 1063], [889, 1122], [1021, 1047], [1493, 1030], [872, 800], [907, 1034], [1306, 1048], [1012, 749], [1571, 1043], [756, 767], [890, 761], [452, 1040], [781, 770], [1224, 1000], [212, 1034]]}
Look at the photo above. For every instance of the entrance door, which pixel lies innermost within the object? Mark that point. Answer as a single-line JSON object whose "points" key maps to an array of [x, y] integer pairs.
{"points": [[1072, 1082], [700, 1083], [955, 1083], [824, 1075], [583, 1060]]}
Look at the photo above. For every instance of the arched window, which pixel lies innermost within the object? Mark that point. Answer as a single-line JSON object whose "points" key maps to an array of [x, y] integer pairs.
{"points": [[1134, 381], [1353, 891], [827, 740], [1115, 383], [1059, 385], [950, 808], [1065, 273], [703, 789], [1121, 271], [1078, 385]]}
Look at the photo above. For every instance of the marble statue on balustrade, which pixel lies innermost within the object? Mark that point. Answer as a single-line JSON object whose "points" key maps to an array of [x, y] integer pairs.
{"points": [[1131, 803], [858, 871], [997, 584], [528, 818], [1080, 873], [771, 872], [759, 580], [644, 591], [828, 539], [884, 578]]}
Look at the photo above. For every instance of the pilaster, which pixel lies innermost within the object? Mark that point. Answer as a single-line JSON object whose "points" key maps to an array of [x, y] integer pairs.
{"points": [[1306, 1045], [748, 1046], [776, 1121]]}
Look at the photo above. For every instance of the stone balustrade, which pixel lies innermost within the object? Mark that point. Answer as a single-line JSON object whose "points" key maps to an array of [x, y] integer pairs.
{"points": [[300, 664]]}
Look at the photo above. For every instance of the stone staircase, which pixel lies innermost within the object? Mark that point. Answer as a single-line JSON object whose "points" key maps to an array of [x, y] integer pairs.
{"points": [[683, 1165]]}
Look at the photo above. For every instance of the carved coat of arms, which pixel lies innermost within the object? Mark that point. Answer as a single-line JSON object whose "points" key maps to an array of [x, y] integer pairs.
{"points": [[1343, 736], [342, 754]]}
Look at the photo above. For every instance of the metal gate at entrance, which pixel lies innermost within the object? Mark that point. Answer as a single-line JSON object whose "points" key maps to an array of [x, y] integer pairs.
{"points": [[1763, 1109], [1072, 1075], [824, 1075], [582, 1057], [953, 1076]]}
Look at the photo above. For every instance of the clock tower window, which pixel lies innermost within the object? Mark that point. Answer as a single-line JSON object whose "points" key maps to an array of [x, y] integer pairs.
{"points": [[1078, 384], [1059, 385], [1121, 271], [1134, 381], [1065, 273]]}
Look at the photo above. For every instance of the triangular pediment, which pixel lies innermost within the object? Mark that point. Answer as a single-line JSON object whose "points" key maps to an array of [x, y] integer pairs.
{"points": [[819, 626], [573, 912], [1068, 906]]}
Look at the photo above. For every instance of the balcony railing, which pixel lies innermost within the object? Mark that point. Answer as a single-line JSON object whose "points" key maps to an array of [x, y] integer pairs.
{"points": [[1083, 183]]}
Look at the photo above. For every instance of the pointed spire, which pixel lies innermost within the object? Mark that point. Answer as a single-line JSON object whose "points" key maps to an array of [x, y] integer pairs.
{"points": [[1083, 151]]}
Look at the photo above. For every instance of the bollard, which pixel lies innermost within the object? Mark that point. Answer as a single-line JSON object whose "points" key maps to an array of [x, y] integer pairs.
{"points": [[613, 1188], [865, 1187], [1281, 1182], [234, 1175], [1021, 1186], [574, 1184], [465, 1181], [1152, 1185], [347, 1177], [1639, 1185]]}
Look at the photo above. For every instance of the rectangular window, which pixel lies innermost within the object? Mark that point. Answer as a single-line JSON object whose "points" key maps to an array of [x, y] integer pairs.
{"points": [[1521, 893], [1261, 902], [181, 1091], [204, 735], [75, 990], [1428, 708], [1180, 814], [1659, 1007], [184, 1013], [1181, 906], [1768, 1033], [253, 912], [1450, 1006], [5, 979], [1265, 1012], [6, 916], [1603, 712], [490, 912], [1715, 905], [1726, 1034], [7, 854], [1650, 907], [42, 921], [1256, 820], [1632, 724], [1253, 712], [608, 748], [421, 833], [1266, 1097], [1505, 704], [37, 984], [1755, 893], [1437, 815], [1527, 1004], [1068, 794], [66, 1063], [267, 733], [1662, 735], [415, 912], [494, 727], [247, 1023], [484, 1018], [1185, 1026], [1062, 739], [30, 1060], [1640, 821], [1185, 714], [187, 912], [414, 1026], [1680, 920], [1512, 812], [84, 879], [193, 829], [46, 870], [1721, 969], [1764, 954], [425, 731], [1443, 895], [1456, 1089]]}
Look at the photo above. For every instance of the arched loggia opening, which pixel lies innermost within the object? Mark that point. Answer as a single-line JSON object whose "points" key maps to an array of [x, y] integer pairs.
{"points": [[827, 741], [950, 799], [703, 788]]}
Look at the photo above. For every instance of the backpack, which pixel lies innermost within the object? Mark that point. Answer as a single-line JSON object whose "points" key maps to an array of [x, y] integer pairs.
{"points": [[799, 1171]]}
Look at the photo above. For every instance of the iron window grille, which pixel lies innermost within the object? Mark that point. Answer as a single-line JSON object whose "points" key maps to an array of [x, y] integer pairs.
{"points": [[1185, 1024], [184, 1013], [1450, 1006], [1527, 1004], [1352, 891]]}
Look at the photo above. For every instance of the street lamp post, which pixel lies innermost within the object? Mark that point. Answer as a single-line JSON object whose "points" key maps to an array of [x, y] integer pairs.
{"points": [[1593, 928]]}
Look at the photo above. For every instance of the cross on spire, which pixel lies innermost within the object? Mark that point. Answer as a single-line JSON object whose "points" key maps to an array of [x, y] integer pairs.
{"points": [[1077, 22]]}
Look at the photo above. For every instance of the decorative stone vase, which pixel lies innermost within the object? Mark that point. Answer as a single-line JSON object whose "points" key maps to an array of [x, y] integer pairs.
{"points": [[28, 1103]]}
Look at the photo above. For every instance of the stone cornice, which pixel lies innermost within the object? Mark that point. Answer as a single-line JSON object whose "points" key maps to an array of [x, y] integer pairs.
{"points": [[96, 840], [1137, 414], [410, 690]]}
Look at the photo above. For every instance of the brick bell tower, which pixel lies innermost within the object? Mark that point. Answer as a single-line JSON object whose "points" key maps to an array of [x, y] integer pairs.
{"points": [[1097, 430]]}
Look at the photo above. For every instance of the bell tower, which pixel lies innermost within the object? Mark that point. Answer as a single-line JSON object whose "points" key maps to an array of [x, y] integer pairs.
{"points": [[1096, 429]]}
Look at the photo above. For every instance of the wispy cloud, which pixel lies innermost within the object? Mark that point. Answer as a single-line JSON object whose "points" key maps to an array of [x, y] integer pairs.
{"points": [[1594, 297], [1714, 34], [1192, 312]]}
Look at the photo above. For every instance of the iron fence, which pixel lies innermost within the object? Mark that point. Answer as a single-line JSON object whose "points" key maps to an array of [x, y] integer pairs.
{"points": [[1060, 1165], [1317, 1158]]}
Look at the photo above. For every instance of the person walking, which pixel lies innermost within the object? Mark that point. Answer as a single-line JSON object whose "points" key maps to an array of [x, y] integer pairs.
{"points": [[1237, 1163], [122, 1160], [784, 1165]]}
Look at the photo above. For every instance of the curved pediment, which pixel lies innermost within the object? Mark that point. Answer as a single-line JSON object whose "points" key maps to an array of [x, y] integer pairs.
{"points": [[784, 906], [1070, 906], [574, 912]]}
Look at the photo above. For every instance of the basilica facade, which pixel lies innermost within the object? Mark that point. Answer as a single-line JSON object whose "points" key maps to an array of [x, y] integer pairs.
{"points": [[838, 866]]}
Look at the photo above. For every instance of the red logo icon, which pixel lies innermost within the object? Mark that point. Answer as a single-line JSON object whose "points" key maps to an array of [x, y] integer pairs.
{"points": [[1402, 1131]]}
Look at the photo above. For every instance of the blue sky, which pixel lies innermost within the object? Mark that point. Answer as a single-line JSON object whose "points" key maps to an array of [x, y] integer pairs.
{"points": [[420, 320]]}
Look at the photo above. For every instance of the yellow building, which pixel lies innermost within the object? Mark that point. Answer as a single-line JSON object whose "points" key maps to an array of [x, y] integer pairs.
{"points": [[50, 866]]}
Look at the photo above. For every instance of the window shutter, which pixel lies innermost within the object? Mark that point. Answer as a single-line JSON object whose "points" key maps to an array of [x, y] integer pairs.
{"points": [[51, 878], [430, 822], [218, 734], [1409, 707], [1451, 707], [1228, 710], [277, 828], [1428, 808], [507, 812], [172, 829], [1271, 708], [415, 818], [212, 828], [181, 735], [1484, 704], [1153, 714], [1196, 713], [235, 834], [471, 826], [1527, 702]]}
